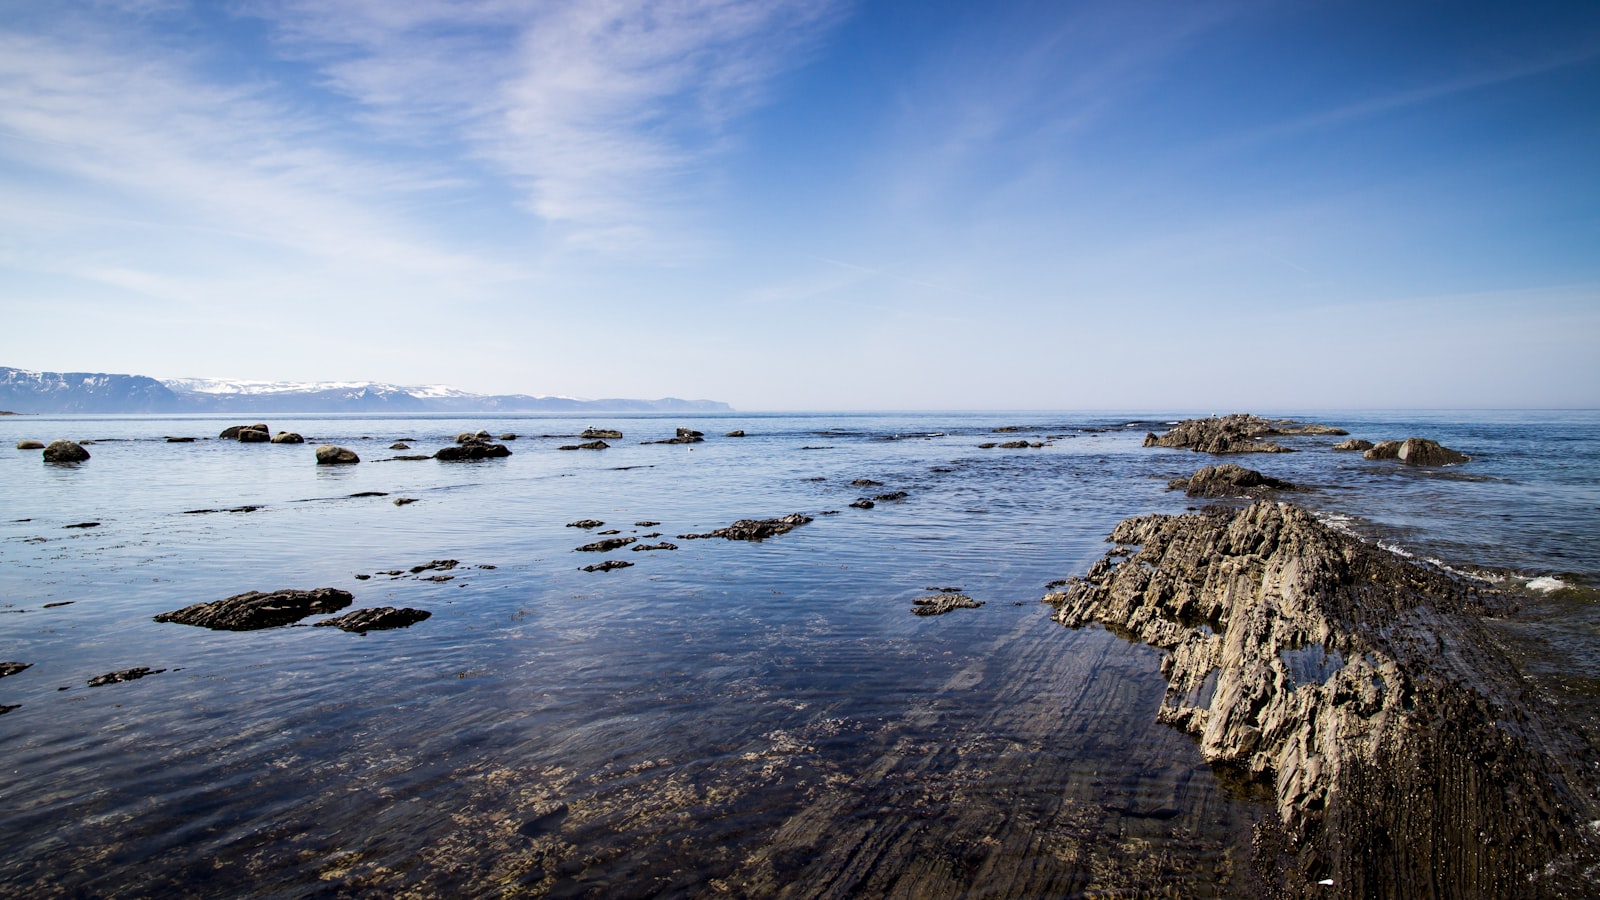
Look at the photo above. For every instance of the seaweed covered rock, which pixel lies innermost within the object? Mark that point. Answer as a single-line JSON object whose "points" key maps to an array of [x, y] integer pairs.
{"points": [[255, 609], [1228, 480], [65, 452], [1237, 433], [939, 604], [1406, 755]]}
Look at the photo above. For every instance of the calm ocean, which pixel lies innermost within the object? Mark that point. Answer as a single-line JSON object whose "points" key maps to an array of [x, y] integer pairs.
{"points": [[725, 717]]}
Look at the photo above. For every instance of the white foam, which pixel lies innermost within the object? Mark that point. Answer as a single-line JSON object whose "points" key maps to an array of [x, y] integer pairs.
{"points": [[1547, 584]]}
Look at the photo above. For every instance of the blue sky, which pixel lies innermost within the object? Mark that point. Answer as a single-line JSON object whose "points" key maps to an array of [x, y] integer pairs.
{"points": [[813, 205]]}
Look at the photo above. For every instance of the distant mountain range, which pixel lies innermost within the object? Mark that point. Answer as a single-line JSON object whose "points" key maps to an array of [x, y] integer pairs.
{"points": [[23, 391]]}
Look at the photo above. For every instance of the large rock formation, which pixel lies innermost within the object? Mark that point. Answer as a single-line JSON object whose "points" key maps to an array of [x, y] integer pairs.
{"points": [[1238, 433], [255, 609], [1406, 756]]}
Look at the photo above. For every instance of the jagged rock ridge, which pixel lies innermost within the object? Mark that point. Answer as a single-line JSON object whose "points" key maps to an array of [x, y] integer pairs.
{"points": [[1407, 757]]}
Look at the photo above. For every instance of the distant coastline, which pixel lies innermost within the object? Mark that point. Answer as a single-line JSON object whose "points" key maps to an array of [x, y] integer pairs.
{"points": [[30, 392]]}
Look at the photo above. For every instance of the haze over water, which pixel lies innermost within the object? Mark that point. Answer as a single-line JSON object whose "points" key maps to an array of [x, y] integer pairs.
{"points": [[727, 716]]}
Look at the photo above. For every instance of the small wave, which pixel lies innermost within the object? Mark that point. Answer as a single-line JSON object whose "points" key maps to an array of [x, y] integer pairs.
{"points": [[1546, 584], [1396, 549], [1344, 524]]}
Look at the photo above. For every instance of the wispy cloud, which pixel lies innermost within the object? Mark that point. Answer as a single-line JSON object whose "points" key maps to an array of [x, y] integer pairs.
{"points": [[596, 111]]}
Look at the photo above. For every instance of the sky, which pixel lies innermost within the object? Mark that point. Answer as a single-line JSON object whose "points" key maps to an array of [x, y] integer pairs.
{"points": [[813, 204]]}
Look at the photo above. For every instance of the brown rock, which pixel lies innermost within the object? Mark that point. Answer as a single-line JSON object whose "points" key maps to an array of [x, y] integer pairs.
{"points": [[378, 618], [65, 452], [1354, 444], [287, 437], [1237, 433], [29, 445], [473, 450], [939, 604], [596, 434], [329, 455], [1229, 480], [754, 529]]}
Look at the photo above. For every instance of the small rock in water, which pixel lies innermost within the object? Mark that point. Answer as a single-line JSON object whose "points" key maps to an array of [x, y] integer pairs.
{"points": [[1228, 480], [508, 436], [939, 604], [329, 455], [754, 529], [736, 433], [402, 501], [664, 545], [866, 482], [608, 565], [591, 434], [607, 545], [1356, 444], [645, 524], [380, 618], [253, 610], [472, 451], [12, 668], [123, 675], [585, 523], [65, 452], [287, 437], [863, 503], [399, 445], [592, 445], [441, 565], [83, 525], [233, 433], [29, 445]]}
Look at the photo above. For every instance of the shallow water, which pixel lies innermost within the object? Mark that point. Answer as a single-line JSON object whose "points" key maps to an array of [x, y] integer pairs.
{"points": [[759, 718]]}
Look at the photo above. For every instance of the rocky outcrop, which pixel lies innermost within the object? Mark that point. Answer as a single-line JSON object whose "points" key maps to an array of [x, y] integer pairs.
{"points": [[1229, 480], [608, 565], [735, 433], [1237, 433], [585, 523], [287, 437], [471, 451], [754, 529], [378, 618], [601, 434], [1354, 444], [684, 436], [29, 445], [329, 455], [939, 604], [1405, 755], [1417, 452], [65, 452], [606, 545], [591, 445], [254, 609]]}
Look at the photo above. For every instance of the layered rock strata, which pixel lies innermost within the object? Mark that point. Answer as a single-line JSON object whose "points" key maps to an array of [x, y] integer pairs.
{"points": [[1406, 755]]}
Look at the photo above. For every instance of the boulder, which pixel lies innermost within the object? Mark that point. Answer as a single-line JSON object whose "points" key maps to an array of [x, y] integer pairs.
{"points": [[736, 433], [254, 609], [29, 445], [252, 436], [608, 565], [12, 668], [471, 451], [232, 433], [607, 545], [585, 523], [592, 445], [508, 436], [329, 455], [287, 437], [399, 445], [1383, 450], [378, 618], [1354, 444], [1228, 480], [65, 452], [1423, 452], [597, 434]]}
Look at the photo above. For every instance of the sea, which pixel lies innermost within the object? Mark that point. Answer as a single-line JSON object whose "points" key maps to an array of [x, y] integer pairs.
{"points": [[720, 717]]}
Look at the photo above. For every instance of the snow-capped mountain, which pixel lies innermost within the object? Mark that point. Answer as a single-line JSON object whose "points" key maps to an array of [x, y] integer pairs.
{"points": [[25, 391]]}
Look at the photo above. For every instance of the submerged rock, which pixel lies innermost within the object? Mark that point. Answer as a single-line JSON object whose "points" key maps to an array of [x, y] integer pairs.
{"points": [[378, 618], [592, 445], [287, 437], [65, 452], [607, 545], [399, 445], [754, 529], [12, 668], [585, 523], [29, 445], [608, 565], [1228, 480], [1405, 753], [939, 604], [684, 436], [736, 433], [329, 455], [1237, 433], [124, 675], [254, 609]]}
